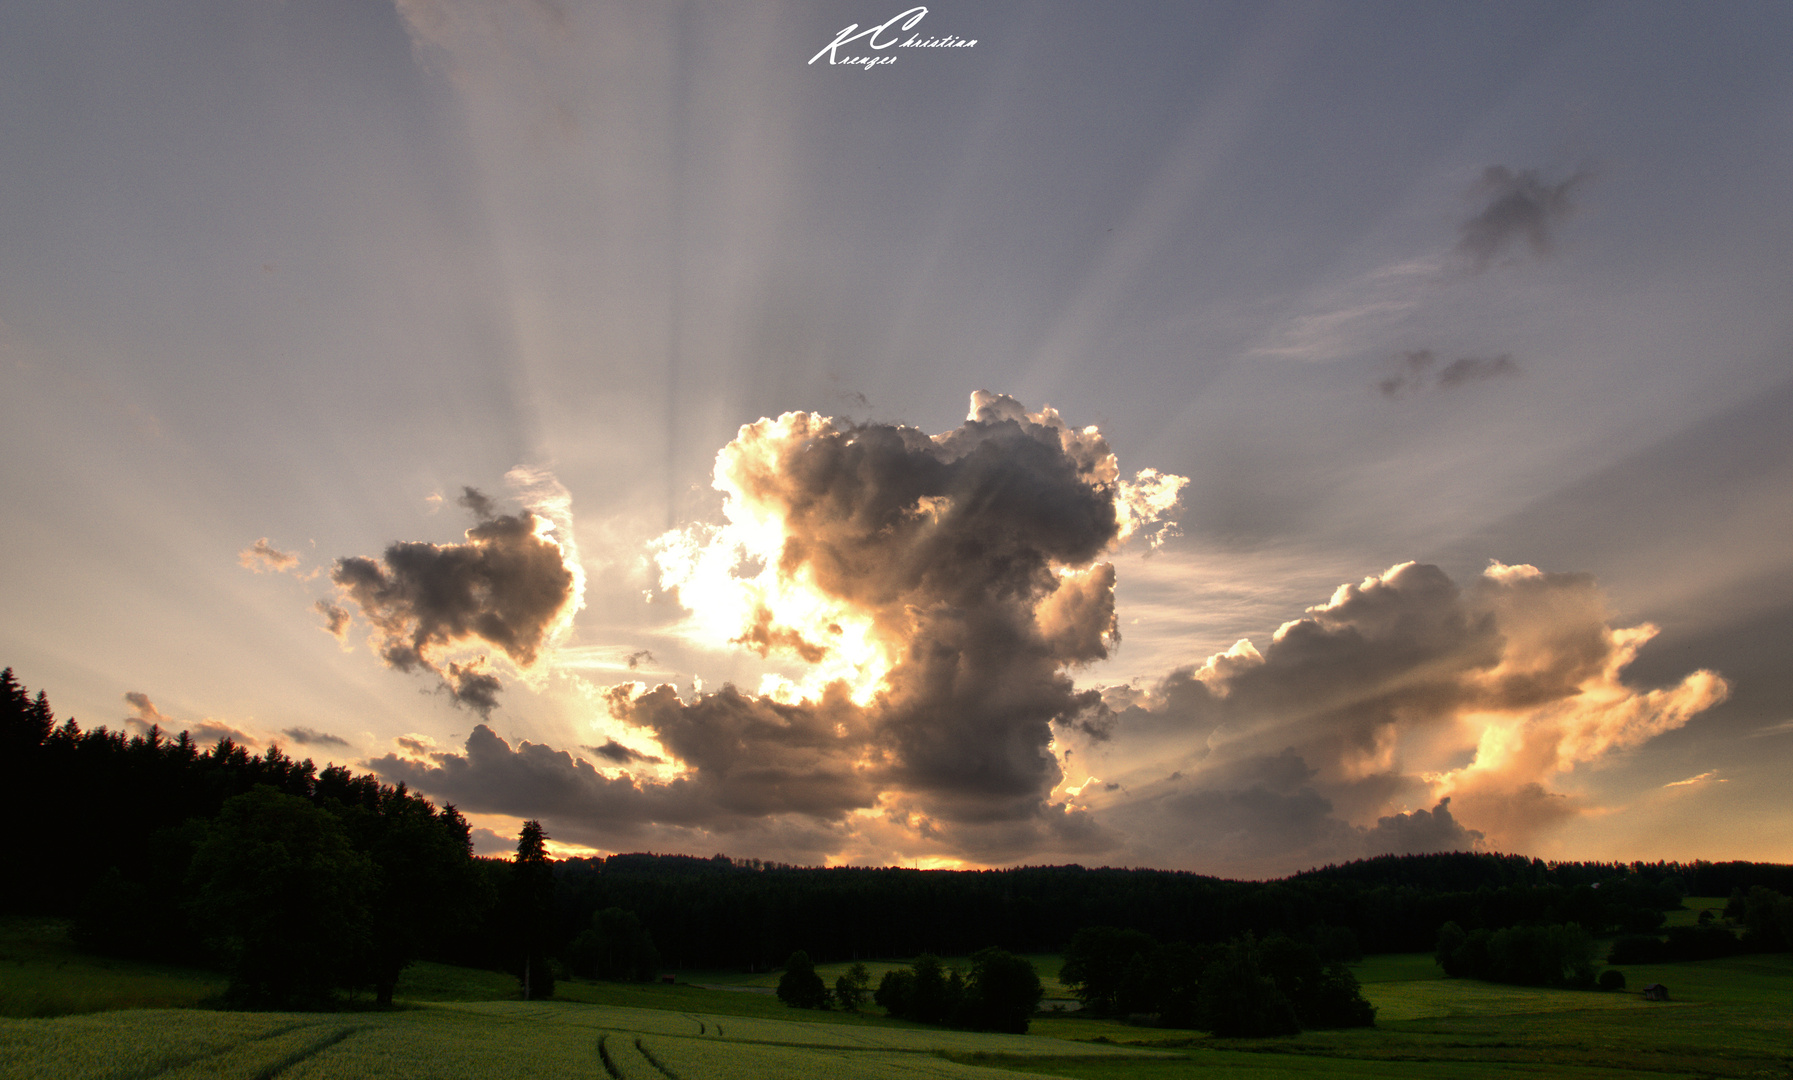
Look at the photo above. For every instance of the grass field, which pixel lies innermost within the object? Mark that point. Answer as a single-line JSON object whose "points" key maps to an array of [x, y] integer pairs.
{"points": [[502, 1039], [1729, 1018], [43, 974]]}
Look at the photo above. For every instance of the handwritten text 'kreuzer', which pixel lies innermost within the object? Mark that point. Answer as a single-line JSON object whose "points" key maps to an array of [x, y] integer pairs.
{"points": [[915, 41]]}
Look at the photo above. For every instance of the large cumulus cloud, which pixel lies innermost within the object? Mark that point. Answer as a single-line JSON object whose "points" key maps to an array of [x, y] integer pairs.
{"points": [[1403, 689], [937, 588]]}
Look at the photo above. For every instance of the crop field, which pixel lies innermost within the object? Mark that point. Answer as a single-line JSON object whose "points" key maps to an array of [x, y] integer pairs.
{"points": [[501, 1039], [42, 974], [1730, 1018]]}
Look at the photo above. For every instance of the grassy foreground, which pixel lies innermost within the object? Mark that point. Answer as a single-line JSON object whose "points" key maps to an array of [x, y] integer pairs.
{"points": [[472, 1041], [1728, 1018]]}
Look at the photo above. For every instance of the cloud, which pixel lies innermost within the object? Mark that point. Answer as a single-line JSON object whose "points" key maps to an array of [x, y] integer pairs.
{"points": [[937, 588], [1414, 372], [935, 596], [305, 736], [1403, 685], [145, 715], [1471, 369], [1692, 781], [421, 745], [513, 585], [639, 657], [1421, 831], [336, 619], [1514, 207], [619, 754], [263, 557]]}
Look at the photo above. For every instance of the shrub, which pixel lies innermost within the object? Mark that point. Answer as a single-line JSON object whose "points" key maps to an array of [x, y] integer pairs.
{"points": [[1612, 979], [1002, 994], [850, 988], [800, 987]]}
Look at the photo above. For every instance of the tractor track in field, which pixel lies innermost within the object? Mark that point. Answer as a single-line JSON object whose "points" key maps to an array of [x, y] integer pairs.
{"points": [[193, 1059]]}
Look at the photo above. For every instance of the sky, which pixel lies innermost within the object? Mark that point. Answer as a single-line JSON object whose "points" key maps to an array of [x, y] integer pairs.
{"points": [[1223, 437]]}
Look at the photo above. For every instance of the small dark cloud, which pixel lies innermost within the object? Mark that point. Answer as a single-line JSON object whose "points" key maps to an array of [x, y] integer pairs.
{"points": [[336, 619], [639, 657], [416, 746], [263, 557], [209, 732], [476, 501], [623, 755], [1411, 374], [1470, 369], [145, 715], [1111, 787], [1420, 832], [508, 586], [1515, 207], [1414, 372], [469, 685], [305, 736]]}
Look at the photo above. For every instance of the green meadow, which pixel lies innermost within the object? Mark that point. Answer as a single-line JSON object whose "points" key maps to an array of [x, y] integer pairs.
{"points": [[70, 1014]]}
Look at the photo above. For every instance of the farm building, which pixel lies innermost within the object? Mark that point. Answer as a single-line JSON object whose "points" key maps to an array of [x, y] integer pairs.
{"points": [[1655, 992]]}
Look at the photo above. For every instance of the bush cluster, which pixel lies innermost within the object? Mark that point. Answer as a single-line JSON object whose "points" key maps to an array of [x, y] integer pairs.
{"points": [[1244, 987], [1001, 994], [1561, 955]]}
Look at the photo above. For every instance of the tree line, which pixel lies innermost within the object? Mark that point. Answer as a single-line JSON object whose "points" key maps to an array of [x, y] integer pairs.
{"points": [[296, 881], [144, 842]]}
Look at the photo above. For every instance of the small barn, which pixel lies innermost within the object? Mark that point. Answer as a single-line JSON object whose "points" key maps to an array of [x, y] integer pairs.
{"points": [[1655, 992]]}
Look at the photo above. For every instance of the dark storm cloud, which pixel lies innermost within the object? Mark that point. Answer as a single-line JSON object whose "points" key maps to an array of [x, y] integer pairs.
{"points": [[508, 586], [263, 557], [305, 736], [1515, 207]]}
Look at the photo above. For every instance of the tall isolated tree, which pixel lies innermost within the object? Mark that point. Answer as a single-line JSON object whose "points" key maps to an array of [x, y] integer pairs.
{"points": [[532, 899]]}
